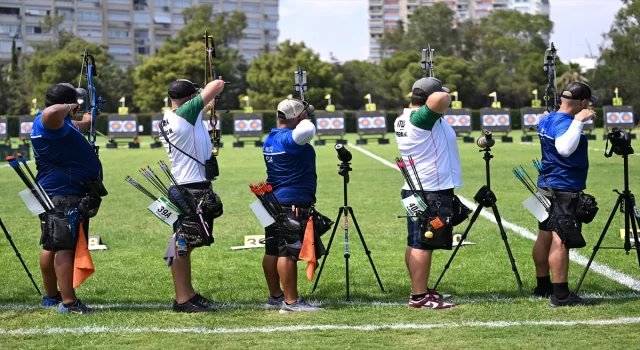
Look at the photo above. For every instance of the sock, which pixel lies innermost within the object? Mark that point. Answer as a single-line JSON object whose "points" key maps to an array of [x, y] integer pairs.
{"points": [[544, 282], [281, 295], [416, 297], [67, 305], [561, 290]]}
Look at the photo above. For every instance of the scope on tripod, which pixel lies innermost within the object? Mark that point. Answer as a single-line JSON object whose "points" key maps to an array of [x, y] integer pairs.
{"points": [[620, 143], [343, 154], [486, 141]]}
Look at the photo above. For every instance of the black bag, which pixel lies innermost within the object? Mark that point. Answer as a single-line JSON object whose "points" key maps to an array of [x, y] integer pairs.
{"points": [[436, 228], [587, 208], [89, 205], [460, 212], [568, 228], [190, 228], [321, 223]]}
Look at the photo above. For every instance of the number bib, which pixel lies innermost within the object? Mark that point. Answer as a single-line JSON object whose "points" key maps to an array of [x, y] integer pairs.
{"points": [[413, 205], [164, 210]]}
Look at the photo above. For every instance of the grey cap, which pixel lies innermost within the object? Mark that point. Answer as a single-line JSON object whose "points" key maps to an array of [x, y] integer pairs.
{"points": [[292, 108], [429, 85]]}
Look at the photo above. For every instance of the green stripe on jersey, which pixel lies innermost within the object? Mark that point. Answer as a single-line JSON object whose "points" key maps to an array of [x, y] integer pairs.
{"points": [[191, 109], [424, 118]]}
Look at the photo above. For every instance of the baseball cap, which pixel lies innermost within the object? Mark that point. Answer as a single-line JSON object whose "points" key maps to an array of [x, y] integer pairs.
{"points": [[292, 108], [63, 93], [579, 91], [429, 85], [182, 88]]}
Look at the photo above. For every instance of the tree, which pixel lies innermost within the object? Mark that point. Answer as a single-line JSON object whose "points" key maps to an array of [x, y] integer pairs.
{"points": [[432, 25], [18, 94], [393, 39], [270, 77], [573, 73], [360, 78], [183, 57]]}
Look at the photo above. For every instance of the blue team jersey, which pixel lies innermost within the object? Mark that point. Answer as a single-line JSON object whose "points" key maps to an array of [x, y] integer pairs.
{"points": [[562, 173], [291, 168], [74, 161]]}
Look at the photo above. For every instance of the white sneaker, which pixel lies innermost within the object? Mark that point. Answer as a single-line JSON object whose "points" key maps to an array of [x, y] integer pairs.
{"points": [[299, 305], [273, 303]]}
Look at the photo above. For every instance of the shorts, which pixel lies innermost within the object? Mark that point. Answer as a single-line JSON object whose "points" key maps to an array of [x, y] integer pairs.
{"points": [[56, 233], [414, 229], [567, 199], [275, 245]]}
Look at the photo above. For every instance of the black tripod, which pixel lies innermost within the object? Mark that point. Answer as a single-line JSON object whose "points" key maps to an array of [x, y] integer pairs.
{"points": [[15, 249], [627, 203], [486, 199], [346, 210]]}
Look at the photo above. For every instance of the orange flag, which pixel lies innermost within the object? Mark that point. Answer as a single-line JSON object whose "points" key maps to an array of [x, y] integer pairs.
{"points": [[82, 265], [308, 251]]}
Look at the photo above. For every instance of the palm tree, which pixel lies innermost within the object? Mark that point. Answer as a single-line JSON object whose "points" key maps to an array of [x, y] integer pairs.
{"points": [[573, 73]]}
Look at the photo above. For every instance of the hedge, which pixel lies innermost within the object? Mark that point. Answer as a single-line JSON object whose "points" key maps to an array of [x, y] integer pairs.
{"points": [[269, 121]]}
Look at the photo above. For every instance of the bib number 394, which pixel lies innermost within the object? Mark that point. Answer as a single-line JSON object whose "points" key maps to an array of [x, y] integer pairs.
{"points": [[164, 210]]}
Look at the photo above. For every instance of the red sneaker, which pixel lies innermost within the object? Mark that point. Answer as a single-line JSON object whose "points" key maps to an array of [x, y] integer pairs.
{"points": [[430, 302]]}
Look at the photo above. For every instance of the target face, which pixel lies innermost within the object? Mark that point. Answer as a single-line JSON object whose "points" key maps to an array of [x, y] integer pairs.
{"points": [[489, 120], [324, 124], [115, 126], [155, 125], [464, 120], [241, 125], [25, 127], [255, 125], [503, 119], [626, 117], [129, 125], [364, 123], [379, 122], [337, 123], [3, 128], [451, 120], [248, 125], [530, 119], [613, 118]]}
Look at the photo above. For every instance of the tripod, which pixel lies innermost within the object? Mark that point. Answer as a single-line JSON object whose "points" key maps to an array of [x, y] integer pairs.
{"points": [[346, 210], [486, 199], [15, 249], [627, 203]]}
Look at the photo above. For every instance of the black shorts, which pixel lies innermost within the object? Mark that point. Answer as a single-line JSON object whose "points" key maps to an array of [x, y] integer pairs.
{"points": [[56, 233], [275, 245], [569, 200]]}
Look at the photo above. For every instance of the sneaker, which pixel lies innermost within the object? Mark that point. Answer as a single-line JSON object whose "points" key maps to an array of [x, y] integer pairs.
{"points": [[199, 299], [542, 292], [429, 302], [191, 306], [76, 308], [48, 302], [273, 303], [436, 294], [571, 300], [299, 305]]}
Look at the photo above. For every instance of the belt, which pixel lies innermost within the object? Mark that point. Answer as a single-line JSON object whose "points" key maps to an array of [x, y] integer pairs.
{"points": [[560, 194]]}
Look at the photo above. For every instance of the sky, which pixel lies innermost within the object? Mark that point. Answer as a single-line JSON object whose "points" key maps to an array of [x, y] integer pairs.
{"points": [[341, 27]]}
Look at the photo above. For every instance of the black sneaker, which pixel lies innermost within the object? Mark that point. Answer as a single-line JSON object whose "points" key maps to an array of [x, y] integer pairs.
{"points": [[571, 300], [199, 299], [191, 306], [542, 292], [77, 308]]}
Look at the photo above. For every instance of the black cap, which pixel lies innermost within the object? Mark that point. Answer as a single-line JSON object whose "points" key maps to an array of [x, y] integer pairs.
{"points": [[182, 88], [61, 94], [579, 91]]}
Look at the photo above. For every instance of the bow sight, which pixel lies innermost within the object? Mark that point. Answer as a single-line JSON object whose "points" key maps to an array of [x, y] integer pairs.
{"points": [[94, 103], [301, 82], [551, 100], [427, 61]]}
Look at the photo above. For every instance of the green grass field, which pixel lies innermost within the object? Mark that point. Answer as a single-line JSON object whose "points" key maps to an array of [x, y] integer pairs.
{"points": [[133, 287]]}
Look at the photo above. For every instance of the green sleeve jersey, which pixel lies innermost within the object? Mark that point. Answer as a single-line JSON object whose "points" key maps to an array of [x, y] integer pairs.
{"points": [[424, 118], [190, 110]]}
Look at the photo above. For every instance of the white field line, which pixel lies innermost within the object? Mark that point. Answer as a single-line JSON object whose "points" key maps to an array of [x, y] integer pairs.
{"points": [[324, 303], [578, 258], [590, 149], [364, 328]]}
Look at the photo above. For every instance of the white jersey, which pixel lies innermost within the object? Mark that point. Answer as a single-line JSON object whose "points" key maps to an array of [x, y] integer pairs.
{"points": [[187, 131], [433, 148]]}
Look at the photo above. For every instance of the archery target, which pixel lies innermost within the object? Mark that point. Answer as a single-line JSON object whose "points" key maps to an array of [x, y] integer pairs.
{"points": [[503, 119], [613, 118], [115, 126], [241, 125], [337, 123], [626, 117], [464, 120], [451, 120], [129, 126], [255, 125], [324, 124], [25, 127], [364, 123], [379, 122], [489, 120], [155, 126], [3, 128]]}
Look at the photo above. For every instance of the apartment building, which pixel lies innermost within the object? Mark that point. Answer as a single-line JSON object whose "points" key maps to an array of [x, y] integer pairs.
{"points": [[129, 27], [384, 14]]}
